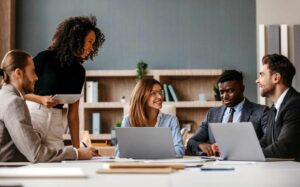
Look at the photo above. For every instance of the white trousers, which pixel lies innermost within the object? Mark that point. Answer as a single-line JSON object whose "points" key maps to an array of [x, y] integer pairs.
{"points": [[48, 122]]}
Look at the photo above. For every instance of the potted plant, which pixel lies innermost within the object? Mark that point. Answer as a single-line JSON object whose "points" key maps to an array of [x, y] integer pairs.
{"points": [[141, 70], [216, 93]]}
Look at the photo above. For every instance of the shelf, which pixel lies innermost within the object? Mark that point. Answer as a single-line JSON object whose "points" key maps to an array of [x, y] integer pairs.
{"points": [[189, 72], [157, 72], [197, 104], [111, 73], [93, 137], [103, 105], [179, 104], [113, 85]]}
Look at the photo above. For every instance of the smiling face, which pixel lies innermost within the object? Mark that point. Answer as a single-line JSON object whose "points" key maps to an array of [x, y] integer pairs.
{"points": [[89, 41], [266, 82], [231, 92], [156, 97]]}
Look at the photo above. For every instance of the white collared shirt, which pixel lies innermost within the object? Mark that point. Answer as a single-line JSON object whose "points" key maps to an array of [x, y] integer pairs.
{"points": [[158, 119], [279, 102], [237, 112]]}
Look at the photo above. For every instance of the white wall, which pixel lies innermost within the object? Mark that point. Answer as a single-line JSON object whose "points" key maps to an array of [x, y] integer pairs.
{"points": [[280, 12], [277, 12]]}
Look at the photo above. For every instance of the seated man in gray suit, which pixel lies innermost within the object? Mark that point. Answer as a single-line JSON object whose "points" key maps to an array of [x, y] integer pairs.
{"points": [[236, 108], [18, 140]]}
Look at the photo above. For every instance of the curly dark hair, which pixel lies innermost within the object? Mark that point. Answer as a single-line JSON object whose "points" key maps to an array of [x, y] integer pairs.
{"points": [[68, 40]]}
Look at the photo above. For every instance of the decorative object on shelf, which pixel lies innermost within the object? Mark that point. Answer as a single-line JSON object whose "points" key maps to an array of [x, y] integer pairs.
{"points": [[96, 123], [118, 124], [191, 126], [216, 93], [202, 97], [141, 70], [91, 91], [114, 140], [123, 99]]}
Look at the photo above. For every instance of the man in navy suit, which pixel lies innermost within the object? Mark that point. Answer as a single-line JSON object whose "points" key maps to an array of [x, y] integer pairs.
{"points": [[235, 108], [283, 130]]}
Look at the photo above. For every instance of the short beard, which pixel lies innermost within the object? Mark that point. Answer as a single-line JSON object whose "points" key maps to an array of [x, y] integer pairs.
{"points": [[27, 90], [267, 93]]}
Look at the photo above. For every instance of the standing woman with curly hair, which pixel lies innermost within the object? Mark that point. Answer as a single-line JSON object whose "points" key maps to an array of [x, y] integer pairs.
{"points": [[60, 71]]}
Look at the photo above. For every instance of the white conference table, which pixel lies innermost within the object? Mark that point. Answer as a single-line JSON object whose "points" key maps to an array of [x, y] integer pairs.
{"points": [[273, 174]]}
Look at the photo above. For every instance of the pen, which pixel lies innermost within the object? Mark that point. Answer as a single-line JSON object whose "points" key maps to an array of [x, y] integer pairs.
{"points": [[84, 145], [95, 150]]}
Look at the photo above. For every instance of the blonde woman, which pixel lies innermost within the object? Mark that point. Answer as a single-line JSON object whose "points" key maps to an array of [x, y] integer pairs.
{"points": [[144, 111]]}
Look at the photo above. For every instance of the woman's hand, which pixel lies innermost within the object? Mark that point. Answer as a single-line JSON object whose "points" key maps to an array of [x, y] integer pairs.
{"points": [[48, 101]]}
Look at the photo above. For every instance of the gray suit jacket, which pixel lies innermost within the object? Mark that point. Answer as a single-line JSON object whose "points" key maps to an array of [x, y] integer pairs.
{"points": [[251, 112], [18, 140]]}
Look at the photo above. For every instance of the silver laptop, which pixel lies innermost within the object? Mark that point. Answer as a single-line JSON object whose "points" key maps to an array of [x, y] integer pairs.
{"points": [[237, 141], [145, 143]]}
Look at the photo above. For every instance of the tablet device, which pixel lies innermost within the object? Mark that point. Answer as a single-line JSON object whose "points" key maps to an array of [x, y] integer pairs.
{"points": [[67, 98]]}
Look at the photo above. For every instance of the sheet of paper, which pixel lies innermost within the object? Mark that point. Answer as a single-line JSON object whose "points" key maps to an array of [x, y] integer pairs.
{"points": [[102, 159], [234, 163], [177, 160]]}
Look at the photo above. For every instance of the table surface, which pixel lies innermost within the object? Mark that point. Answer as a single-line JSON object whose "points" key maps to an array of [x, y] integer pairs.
{"points": [[283, 173]]}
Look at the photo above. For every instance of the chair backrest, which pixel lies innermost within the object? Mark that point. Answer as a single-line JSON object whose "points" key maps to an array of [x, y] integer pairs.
{"points": [[167, 108]]}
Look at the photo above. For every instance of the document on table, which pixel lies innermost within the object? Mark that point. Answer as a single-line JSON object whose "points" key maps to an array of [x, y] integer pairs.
{"points": [[178, 160], [102, 159], [42, 172], [234, 163]]}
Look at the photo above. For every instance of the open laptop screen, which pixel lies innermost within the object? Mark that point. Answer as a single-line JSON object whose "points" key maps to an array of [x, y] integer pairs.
{"points": [[237, 141], [145, 143]]}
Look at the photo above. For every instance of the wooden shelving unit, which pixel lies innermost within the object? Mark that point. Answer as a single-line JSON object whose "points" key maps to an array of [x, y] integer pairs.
{"points": [[113, 84]]}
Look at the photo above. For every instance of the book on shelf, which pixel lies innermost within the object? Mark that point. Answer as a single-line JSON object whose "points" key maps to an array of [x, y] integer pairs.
{"points": [[172, 93], [96, 123], [167, 96], [91, 91]]}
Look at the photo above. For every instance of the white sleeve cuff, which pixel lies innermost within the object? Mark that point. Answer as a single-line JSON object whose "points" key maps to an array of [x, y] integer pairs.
{"points": [[76, 151]]}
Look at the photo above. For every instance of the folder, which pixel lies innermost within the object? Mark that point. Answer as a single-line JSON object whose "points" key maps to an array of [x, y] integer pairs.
{"points": [[144, 165], [140, 168], [135, 171]]}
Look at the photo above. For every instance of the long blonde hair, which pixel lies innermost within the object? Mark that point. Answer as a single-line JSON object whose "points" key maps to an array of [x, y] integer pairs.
{"points": [[137, 106]]}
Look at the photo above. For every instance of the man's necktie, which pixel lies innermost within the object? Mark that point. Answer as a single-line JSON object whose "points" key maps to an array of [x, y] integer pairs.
{"points": [[231, 112], [273, 112]]}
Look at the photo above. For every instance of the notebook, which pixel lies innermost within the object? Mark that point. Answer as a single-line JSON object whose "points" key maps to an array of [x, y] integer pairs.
{"points": [[237, 141], [145, 143]]}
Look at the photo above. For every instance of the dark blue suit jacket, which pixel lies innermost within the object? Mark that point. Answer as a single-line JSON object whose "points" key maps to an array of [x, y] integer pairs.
{"points": [[251, 112]]}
